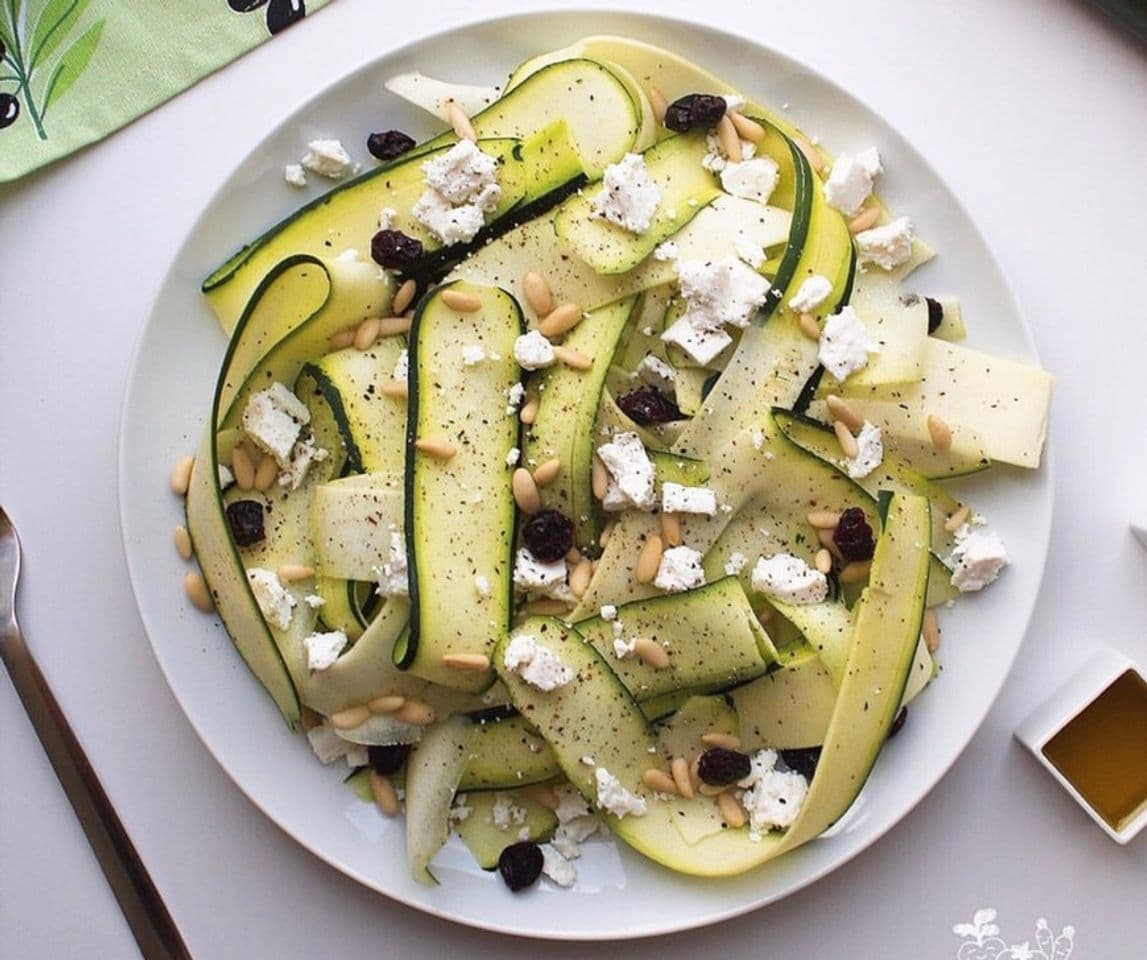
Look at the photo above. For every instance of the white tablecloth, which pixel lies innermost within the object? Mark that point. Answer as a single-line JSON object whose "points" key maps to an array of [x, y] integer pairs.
{"points": [[1033, 110]]}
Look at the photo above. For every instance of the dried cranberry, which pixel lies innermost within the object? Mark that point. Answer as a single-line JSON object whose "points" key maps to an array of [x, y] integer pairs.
{"points": [[647, 405], [388, 145], [935, 314], [520, 864], [853, 535], [548, 535], [695, 110], [719, 767], [802, 760], [898, 723], [394, 250], [389, 759], [246, 520]]}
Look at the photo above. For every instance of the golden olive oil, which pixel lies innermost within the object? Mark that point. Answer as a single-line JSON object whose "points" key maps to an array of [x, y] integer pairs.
{"points": [[1102, 751]]}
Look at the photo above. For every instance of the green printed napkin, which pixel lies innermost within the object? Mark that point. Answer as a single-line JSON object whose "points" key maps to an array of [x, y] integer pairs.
{"points": [[73, 71]]}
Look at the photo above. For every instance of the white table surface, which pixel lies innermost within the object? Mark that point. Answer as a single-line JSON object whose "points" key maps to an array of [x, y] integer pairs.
{"points": [[1033, 110]]}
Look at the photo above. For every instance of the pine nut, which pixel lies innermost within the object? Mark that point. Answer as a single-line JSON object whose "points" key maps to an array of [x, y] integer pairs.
{"points": [[367, 333], [547, 607], [436, 448], [730, 810], [342, 339], [856, 571], [579, 578], [709, 790], [726, 741], [747, 129], [548, 472], [460, 122], [560, 320], [266, 473], [404, 296], [931, 630], [385, 797], [659, 104], [823, 560], [958, 519], [824, 519], [416, 712], [538, 294], [651, 652], [293, 572], [350, 718], [182, 542], [844, 411], [679, 767], [243, 467], [181, 475], [808, 326], [671, 529], [864, 220], [603, 538], [475, 662], [399, 389], [846, 439], [393, 326], [826, 541], [599, 478], [812, 155], [573, 358], [196, 589], [526, 493], [730, 142], [529, 412], [649, 560], [940, 433], [388, 703], [659, 780], [462, 302]]}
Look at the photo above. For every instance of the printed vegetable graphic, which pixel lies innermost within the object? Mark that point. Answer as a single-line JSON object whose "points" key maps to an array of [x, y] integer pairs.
{"points": [[280, 13], [981, 941], [30, 35]]}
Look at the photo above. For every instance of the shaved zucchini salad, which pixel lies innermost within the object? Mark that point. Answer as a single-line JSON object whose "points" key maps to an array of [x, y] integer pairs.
{"points": [[582, 468]]}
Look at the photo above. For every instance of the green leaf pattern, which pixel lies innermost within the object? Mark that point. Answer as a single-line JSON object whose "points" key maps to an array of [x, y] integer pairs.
{"points": [[52, 27], [72, 64]]}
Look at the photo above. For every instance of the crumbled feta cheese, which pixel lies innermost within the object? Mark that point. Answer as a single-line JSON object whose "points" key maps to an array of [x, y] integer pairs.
{"points": [[349, 255], [327, 158], [772, 798], [533, 351], [734, 102], [313, 600], [513, 457], [680, 570], [460, 810], [575, 822], [750, 251], [870, 451], [628, 197], [613, 798], [722, 291], [655, 372], [631, 470], [356, 755], [506, 813], [276, 420], [386, 218], [751, 179], [844, 344], [482, 585], [812, 293], [323, 649], [608, 612], [463, 174], [531, 574], [789, 578], [539, 666], [515, 393], [758, 439], [979, 556], [736, 563], [676, 498], [294, 175], [693, 335], [449, 224], [392, 575], [402, 366], [850, 182], [714, 160], [557, 867], [326, 743], [623, 648], [473, 354], [665, 251], [274, 600], [226, 477], [887, 246]]}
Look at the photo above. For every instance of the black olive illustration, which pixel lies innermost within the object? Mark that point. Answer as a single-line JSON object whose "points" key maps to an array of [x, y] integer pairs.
{"points": [[245, 6], [9, 110], [280, 13]]}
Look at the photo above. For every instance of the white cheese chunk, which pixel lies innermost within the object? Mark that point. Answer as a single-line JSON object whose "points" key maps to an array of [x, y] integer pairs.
{"points": [[655, 372], [449, 224], [531, 574], [850, 182], [506, 813], [482, 586], [539, 666], [628, 197], [463, 174], [513, 457], [533, 351], [680, 570], [226, 477], [812, 293], [515, 393], [613, 798], [844, 343], [631, 470], [274, 600], [870, 451], [556, 867], [665, 252], [294, 175], [323, 649], [327, 158], [326, 743], [789, 578], [314, 601], [888, 246], [402, 366], [608, 612], [623, 649], [575, 822], [772, 798], [979, 556], [392, 576], [697, 338], [722, 291], [754, 179], [274, 418], [677, 498], [736, 563], [750, 251]]}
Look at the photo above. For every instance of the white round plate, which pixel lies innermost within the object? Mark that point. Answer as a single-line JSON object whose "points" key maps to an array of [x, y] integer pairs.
{"points": [[169, 396]]}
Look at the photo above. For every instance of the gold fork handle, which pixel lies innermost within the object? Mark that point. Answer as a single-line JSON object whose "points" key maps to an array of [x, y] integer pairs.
{"points": [[155, 932]]}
